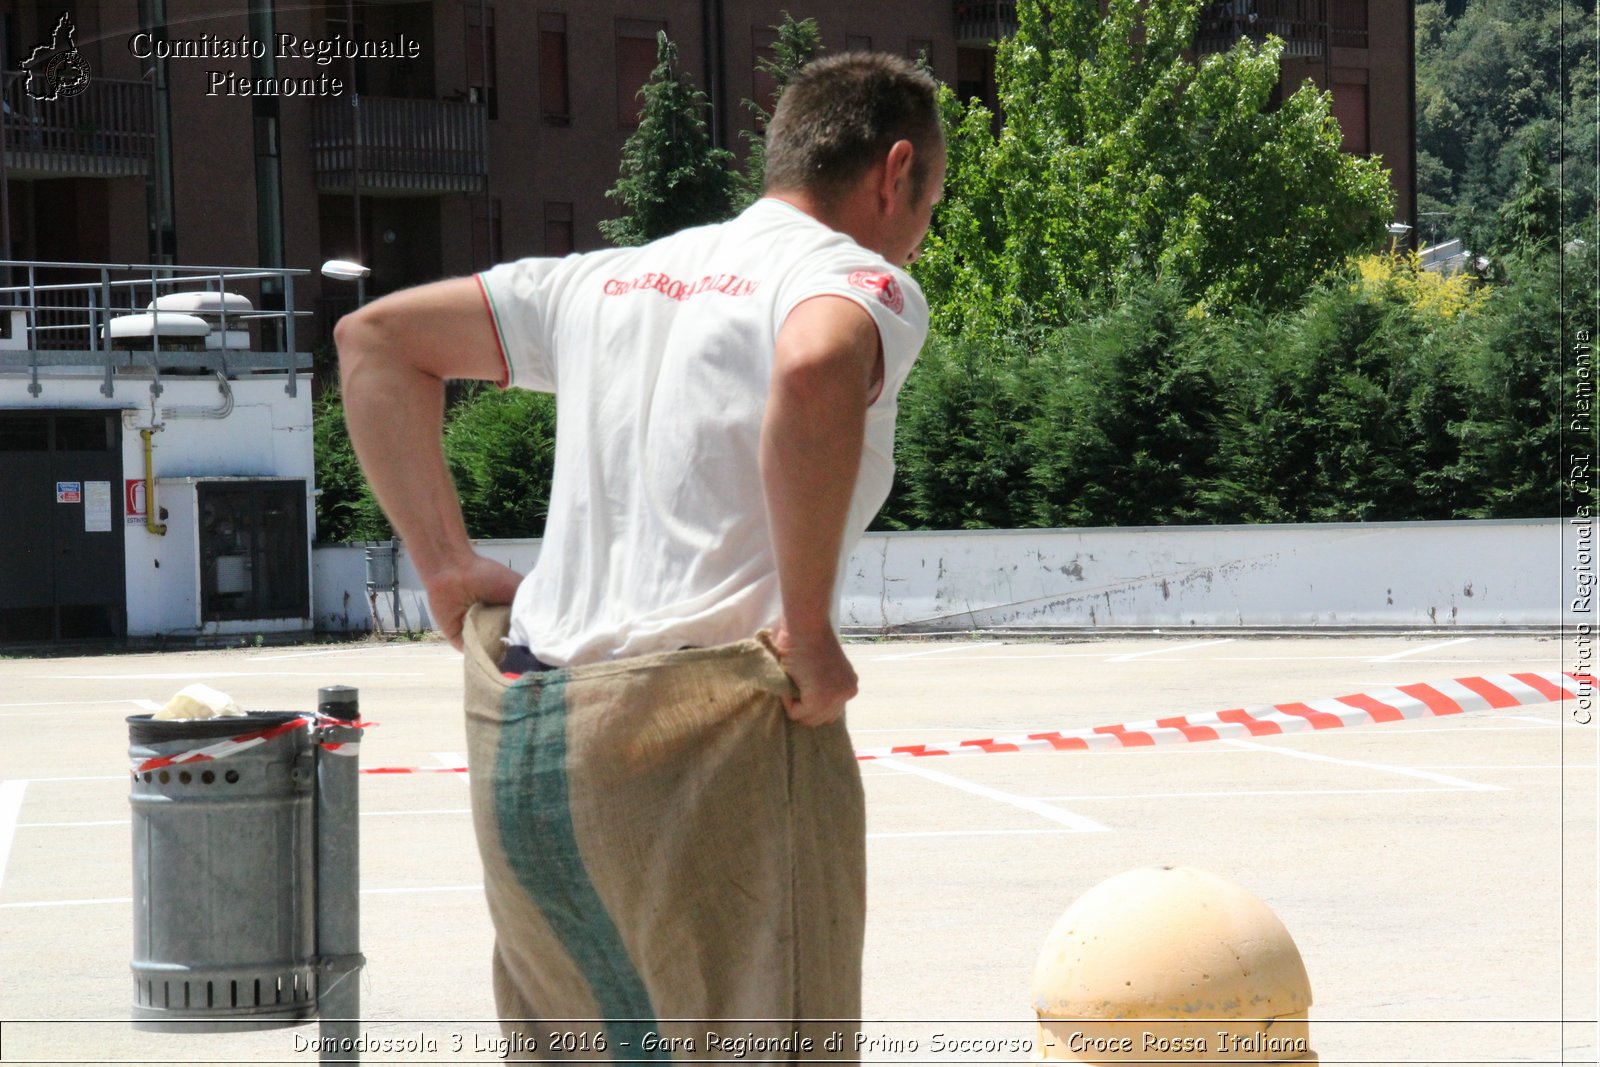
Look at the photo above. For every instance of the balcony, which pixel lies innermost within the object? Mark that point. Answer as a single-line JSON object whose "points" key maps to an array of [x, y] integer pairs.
{"points": [[983, 22], [1301, 24], [106, 131], [389, 146]]}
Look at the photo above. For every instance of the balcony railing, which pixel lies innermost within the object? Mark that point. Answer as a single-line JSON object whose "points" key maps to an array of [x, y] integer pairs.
{"points": [[982, 22], [106, 131], [1302, 25], [382, 144], [59, 318], [1348, 21]]}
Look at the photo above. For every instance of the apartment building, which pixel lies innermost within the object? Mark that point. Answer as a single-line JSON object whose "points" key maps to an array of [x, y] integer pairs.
{"points": [[243, 132]]}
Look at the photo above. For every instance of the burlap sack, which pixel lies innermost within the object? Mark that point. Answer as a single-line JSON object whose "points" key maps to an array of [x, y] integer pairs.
{"points": [[666, 854]]}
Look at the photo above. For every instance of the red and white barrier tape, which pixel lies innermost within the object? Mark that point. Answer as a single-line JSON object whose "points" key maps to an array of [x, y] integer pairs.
{"points": [[1391, 704], [234, 745], [1383, 705], [413, 770]]}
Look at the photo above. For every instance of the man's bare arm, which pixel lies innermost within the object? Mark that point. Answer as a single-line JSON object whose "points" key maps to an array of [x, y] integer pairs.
{"points": [[823, 371], [395, 355]]}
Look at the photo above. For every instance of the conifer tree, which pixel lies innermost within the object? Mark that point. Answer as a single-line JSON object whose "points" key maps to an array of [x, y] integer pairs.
{"points": [[671, 177], [798, 43]]}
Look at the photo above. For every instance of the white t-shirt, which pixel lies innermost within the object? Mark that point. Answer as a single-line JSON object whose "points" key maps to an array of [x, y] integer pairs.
{"points": [[661, 356]]}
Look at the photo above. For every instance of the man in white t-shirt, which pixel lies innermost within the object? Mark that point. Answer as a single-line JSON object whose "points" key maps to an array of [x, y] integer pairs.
{"points": [[658, 840], [726, 398]]}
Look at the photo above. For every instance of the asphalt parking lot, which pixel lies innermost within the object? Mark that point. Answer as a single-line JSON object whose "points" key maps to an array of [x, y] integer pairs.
{"points": [[1436, 871]]}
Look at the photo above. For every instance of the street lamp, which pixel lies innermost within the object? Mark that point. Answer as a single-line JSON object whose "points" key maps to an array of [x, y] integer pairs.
{"points": [[346, 270], [1396, 230]]}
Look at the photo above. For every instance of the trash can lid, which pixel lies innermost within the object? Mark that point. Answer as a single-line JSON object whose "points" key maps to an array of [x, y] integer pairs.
{"points": [[145, 730]]}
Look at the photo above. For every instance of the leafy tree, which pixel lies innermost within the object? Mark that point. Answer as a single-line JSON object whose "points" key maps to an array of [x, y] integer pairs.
{"points": [[1513, 366], [671, 178], [798, 43], [346, 509], [500, 446], [1496, 79], [1120, 156], [962, 457], [1529, 222], [1128, 407]]}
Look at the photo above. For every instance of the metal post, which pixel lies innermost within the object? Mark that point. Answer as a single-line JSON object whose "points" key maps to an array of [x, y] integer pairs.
{"points": [[288, 333], [355, 150], [5, 174], [102, 324], [339, 959], [34, 388]]}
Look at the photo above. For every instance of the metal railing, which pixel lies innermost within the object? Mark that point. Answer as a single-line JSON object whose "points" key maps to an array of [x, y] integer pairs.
{"points": [[981, 22], [379, 143], [59, 315], [108, 130], [1301, 24]]}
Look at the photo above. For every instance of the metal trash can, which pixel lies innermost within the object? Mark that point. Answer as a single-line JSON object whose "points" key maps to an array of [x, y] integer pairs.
{"points": [[224, 887], [246, 872]]}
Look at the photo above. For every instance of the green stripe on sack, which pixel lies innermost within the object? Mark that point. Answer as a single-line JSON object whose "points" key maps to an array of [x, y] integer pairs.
{"points": [[533, 809]]}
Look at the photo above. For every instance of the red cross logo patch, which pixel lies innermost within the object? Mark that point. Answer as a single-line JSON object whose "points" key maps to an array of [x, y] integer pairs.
{"points": [[883, 286]]}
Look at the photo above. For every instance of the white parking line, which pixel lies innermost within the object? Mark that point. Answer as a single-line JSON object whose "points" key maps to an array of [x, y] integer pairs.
{"points": [[421, 811], [1168, 648], [126, 822], [66, 703], [1510, 766], [61, 706], [1420, 649], [1261, 793], [191, 676], [1410, 772], [929, 652], [67, 903], [424, 889], [100, 901], [347, 651], [10, 807], [1070, 819], [890, 835]]}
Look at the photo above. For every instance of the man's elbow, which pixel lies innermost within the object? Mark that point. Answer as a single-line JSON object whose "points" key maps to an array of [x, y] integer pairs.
{"points": [[357, 335]]}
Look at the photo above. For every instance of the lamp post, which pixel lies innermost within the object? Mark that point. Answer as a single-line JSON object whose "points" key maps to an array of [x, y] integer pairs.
{"points": [[346, 270], [1396, 230]]}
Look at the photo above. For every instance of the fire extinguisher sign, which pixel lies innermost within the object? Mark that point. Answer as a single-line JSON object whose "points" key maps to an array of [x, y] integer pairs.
{"points": [[134, 506]]}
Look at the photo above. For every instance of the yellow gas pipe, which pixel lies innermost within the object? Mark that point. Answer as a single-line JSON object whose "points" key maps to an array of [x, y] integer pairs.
{"points": [[150, 523]]}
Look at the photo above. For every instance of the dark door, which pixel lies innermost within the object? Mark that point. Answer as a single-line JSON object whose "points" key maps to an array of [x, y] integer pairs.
{"points": [[253, 550], [62, 572]]}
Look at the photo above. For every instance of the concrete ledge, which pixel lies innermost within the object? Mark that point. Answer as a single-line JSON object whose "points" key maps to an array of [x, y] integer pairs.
{"points": [[1332, 578]]}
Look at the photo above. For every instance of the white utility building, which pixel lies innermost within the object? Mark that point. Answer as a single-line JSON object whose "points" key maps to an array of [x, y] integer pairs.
{"points": [[155, 453]]}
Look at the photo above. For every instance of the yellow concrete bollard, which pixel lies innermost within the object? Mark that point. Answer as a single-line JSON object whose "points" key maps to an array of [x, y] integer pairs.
{"points": [[1171, 965]]}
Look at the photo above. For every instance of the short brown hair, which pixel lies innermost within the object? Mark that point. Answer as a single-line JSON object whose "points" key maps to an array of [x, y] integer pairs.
{"points": [[841, 114]]}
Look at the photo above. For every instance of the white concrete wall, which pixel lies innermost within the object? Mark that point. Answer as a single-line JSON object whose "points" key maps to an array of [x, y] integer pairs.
{"points": [[1417, 574], [339, 585], [1317, 575]]}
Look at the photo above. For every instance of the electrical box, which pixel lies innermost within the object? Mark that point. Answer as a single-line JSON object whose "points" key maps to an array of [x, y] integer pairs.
{"points": [[243, 546]]}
